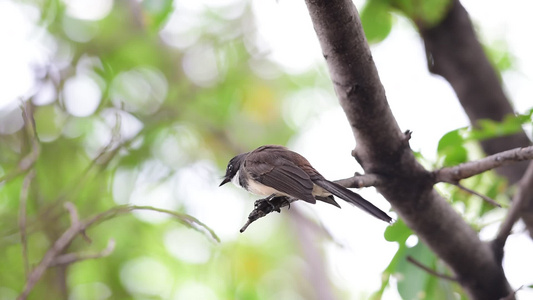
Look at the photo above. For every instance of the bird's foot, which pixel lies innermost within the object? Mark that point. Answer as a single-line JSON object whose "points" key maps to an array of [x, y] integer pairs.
{"points": [[261, 203], [263, 207]]}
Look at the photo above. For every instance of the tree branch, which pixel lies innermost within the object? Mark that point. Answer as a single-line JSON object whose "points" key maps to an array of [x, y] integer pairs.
{"points": [[523, 195], [455, 53], [70, 258], [53, 256], [58, 247], [22, 219], [383, 149], [27, 161], [469, 169], [361, 181], [430, 271], [488, 199]]}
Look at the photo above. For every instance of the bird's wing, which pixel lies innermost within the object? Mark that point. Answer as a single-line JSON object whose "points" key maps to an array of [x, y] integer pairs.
{"points": [[282, 175]]}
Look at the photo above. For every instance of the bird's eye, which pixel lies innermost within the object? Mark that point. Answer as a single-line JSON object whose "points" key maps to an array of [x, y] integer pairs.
{"points": [[230, 167]]}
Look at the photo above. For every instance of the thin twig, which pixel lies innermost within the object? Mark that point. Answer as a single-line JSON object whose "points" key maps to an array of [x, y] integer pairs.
{"points": [[70, 258], [430, 271], [22, 219], [522, 195], [486, 198], [27, 161], [73, 213], [512, 295], [74, 219], [469, 169], [84, 175], [59, 246], [78, 227]]}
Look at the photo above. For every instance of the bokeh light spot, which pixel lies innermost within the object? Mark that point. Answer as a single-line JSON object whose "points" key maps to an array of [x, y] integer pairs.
{"points": [[81, 95], [188, 245], [146, 276]]}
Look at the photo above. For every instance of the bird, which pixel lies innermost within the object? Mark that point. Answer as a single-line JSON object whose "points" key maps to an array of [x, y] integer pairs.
{"points": [[276, 171]]}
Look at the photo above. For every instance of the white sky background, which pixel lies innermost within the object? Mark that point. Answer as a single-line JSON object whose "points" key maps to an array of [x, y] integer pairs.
{"points": [[420, 102]]}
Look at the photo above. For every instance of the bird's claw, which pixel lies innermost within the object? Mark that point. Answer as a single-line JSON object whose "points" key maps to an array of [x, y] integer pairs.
{"points": [[264, 206]]}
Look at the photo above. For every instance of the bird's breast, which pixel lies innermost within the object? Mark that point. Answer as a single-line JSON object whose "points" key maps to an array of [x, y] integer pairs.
{"points": [[261, 189]]}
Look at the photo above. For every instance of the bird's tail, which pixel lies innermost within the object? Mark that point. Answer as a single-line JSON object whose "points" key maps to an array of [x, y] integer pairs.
{"points": [[353, 198]]}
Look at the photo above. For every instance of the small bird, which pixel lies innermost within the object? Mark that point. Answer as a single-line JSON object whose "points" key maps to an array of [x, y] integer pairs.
{"points": [[275, 171]]}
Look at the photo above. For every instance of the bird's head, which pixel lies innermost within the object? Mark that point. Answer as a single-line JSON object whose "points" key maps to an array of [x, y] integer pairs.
{"points": [[233, 167]]}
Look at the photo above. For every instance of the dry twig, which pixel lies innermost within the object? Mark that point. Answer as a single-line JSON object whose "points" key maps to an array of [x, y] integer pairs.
{"points": [[430, 271], [469, 169], [27, 161], [53, 256], [70, 258], [22, 219], [486, 198], [521, 196]]}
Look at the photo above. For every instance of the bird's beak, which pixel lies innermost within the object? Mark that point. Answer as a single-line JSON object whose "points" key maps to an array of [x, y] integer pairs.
{"points": [[226, 180]]}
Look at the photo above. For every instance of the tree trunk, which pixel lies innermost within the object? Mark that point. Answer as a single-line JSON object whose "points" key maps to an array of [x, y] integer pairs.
{"points": [[455, 53], [383, 149]]}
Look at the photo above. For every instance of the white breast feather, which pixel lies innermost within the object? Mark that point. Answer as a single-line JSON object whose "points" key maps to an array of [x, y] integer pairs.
{"points": [[261, 189]]}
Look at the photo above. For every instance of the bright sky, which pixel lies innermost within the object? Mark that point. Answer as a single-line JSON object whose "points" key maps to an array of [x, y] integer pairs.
{"points": [[421, 102]]}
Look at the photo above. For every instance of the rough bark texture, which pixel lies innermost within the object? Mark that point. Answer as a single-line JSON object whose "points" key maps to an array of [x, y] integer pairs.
{"points": [[383, 149], [455, 53]]}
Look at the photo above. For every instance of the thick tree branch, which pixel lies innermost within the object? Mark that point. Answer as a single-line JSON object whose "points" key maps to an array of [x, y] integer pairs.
{"points": [[455, 53], [382, 149]]}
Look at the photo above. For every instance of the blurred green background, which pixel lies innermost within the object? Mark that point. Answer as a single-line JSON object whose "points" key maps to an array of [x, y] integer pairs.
{"points": [[143, 103], [132, 99]]}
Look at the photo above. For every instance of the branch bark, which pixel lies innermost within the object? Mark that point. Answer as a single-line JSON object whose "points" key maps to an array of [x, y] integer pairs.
{"points": [[522, 197], [383, 149], [468, 169], [455, 53], [54, 256]]}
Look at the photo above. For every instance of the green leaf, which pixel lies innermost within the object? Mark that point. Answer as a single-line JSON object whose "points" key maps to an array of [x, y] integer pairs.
{"points": [[499, 55], [377, 21], [413, 280], [427, 13], [511, 124], [397, 232], [451, 148]]}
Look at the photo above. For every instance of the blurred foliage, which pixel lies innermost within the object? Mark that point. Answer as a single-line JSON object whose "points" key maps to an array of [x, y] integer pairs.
{"points": [[125, 101], [455, 147], [377, 18], [413, 282], [377, 15], [461, 145]]}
